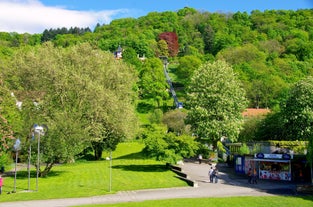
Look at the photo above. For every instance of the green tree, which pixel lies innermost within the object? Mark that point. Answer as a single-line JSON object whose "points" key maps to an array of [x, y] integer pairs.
{"points": [[298, 114], [216, 101], [9, 123], [130, 56], [187, 65], [152, 84], [168, 147], [175, 121], [85, 98], [244, 150], [271, 128], [241, 54], [162, 48], [250, 126]]}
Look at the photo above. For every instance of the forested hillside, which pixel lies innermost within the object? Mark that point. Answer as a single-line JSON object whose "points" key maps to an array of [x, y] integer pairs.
{"points": [[269, 50]]}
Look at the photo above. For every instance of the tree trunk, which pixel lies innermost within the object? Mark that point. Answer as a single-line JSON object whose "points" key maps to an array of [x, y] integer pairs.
{"points": [[98, 153], [98, 148], [311, 174], [47, 169]]}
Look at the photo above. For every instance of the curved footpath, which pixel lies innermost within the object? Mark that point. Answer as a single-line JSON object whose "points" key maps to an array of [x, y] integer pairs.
{"points": [[229, 185]]}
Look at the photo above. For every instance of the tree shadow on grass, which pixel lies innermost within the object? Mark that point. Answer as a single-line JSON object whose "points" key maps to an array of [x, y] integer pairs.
{"points": [[144, 107], [142, 168], [23, 174], [136, 155]]}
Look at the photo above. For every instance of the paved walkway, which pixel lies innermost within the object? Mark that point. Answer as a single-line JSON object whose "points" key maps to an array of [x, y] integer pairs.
{"points": [[228, 185]]}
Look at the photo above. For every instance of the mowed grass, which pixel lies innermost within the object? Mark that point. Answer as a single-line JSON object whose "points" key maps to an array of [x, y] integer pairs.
{"points": [[130, 171], [262, 201]]}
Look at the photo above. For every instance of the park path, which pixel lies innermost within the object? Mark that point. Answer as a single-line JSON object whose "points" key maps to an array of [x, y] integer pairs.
{"points": [[228, 185]]}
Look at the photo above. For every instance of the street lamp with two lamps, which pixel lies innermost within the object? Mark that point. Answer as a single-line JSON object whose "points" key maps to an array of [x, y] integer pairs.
{"points": [[40, 130]]}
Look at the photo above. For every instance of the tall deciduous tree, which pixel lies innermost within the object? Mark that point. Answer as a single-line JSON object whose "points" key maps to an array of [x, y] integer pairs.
{"points": [[6, 132], [162, 48], [85, 98], [171, 39], [216, 101], [298, 113], [152, 83], [175, 121], [187, 65]]}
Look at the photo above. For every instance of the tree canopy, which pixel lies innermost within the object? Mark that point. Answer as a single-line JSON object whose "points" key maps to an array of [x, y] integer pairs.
{"points": [[73, 76], [276, 42], [298, 114], [216, 101], [84, 96]]}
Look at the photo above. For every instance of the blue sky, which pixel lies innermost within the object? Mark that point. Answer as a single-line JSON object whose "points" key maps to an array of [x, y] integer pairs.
{"points": [[145, 6], [33, 16]]}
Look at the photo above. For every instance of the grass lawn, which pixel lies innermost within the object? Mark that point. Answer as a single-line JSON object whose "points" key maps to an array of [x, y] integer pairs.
{"points": [[130, 171], [266, 201]]}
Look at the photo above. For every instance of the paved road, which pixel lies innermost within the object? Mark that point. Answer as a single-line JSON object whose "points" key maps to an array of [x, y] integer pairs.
{"points": [[228, 185]]}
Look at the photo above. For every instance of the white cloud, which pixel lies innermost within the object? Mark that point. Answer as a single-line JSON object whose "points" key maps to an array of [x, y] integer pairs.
{"points": [[30, 16]]}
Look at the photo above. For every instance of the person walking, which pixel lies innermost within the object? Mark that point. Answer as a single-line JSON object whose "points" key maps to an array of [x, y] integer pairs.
{"points": [[254, 176], [1, 183], [249, 175], [211, 174], [215, 172], [200, 158]]}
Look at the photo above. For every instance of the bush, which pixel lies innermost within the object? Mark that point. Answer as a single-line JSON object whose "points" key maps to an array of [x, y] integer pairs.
{"points": [[169, 147], [4, 160]]}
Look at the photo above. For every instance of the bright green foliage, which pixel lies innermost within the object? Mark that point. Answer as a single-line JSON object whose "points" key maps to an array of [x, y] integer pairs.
{"points": [[156, 116], [298, 113], [6, 136], [130, 56], [85, 97], [244, 54], [244, 150], [275, 42], [169, 147], [5, 159], [269, 51], [298, 147], [249, 63], [187, 65], [175, 121], [152, 84], [163, 48], [10, 123], [298, 110], [216, 101], [249, 129]]}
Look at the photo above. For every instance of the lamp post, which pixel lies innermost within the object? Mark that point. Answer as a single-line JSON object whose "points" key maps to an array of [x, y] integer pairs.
{"points": [[16, 147], [110, 184], [29, 156], [40, 130]]}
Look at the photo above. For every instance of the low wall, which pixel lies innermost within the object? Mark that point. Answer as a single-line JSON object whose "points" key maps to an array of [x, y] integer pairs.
{"points": [[182, 175]]}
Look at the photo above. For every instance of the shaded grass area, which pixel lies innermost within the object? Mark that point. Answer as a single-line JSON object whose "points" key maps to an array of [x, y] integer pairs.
{"points": [[262, 201], [130, 171]]}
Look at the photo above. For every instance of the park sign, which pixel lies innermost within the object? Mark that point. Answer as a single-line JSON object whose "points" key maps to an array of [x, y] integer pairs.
{"points": [[273, 156]]}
